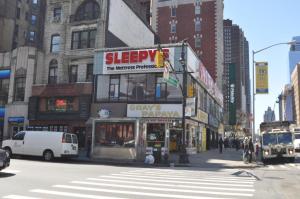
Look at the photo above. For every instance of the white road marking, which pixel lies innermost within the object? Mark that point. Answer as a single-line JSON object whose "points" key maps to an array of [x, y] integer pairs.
{"points": [[131, 192], [178, 178], [169, 185], [251, 179], [10, 171], [73, 195], [179, 182], [283, 167], [163, 189], [19, 197], [271, 167]]}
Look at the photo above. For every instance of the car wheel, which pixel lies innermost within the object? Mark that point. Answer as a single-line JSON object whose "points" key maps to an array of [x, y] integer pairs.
{"points": [[8, 151], [48, 155]]}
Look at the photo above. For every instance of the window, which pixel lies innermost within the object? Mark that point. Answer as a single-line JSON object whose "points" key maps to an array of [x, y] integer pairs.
{"points": [[55, 43], [57, 12], [89, 72], [35, 2], [197, 7], [52, 79], [73, 74], [89, 10], [160, 88], [19, 88], [137, 87], [18, 13], [31, 36], [115, 134], [173, 12], [198, 42], [60, 105], [114, 87], [173, 27], [33, 20], [19, 136], [83, 39], [197, 25]]}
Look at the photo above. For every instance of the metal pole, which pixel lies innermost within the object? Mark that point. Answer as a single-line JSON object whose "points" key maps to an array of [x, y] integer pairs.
{"points": [[183, 158], [253, 96]]}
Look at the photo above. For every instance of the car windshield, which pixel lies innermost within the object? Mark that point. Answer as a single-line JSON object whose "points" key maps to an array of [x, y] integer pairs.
{"points": [[285, 138], [297, 136], [269, 139]]}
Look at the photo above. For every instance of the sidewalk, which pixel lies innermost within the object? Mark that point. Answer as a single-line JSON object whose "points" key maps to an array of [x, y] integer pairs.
{"points": [[230, 158]]}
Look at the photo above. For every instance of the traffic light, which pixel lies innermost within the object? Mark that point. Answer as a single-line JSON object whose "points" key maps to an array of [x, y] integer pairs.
{"points": [[159, 59]]}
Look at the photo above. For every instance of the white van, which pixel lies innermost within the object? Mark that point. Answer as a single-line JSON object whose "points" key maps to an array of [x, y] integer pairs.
{"points": [[297, 141], [48, 144]]}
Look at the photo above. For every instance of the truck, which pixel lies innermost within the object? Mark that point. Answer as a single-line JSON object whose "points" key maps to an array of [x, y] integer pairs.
{"points": [[277, 141]]}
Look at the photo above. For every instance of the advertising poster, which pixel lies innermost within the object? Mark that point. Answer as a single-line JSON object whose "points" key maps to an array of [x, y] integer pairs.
{"points": [[262, 78]]}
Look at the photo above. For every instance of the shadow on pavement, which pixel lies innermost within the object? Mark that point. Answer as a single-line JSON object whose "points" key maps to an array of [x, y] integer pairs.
{"points": [[6, 175]]}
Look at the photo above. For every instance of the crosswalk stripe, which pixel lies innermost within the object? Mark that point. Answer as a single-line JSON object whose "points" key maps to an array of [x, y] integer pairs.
{"points": [[74, 195], [282, 166], [177, 178], [170, 185], [131, 192], [18, 197], [179, 182], [250, 179], [162, 189], [271, 167]]}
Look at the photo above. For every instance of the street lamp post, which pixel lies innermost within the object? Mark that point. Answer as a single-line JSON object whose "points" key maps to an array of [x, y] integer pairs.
{"points": [[253, 82]]}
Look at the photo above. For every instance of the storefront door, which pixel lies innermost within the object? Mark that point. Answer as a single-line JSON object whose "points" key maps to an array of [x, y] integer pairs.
{"points": [[156, 134], [175, 140]]}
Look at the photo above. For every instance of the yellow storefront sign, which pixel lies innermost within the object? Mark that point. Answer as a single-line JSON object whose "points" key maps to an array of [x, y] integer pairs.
{"points": [[204, 139], [262, 86]]}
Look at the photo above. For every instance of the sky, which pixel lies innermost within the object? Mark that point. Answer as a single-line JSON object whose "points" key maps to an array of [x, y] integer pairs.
{"points": [[267, 22]]}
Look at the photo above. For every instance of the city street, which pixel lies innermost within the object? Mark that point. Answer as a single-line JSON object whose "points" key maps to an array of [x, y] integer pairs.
{"points": [[31, 178]]}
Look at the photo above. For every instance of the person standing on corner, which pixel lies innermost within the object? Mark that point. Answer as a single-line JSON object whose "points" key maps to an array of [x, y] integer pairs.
{"points": [[221, 145], [251, 150]]}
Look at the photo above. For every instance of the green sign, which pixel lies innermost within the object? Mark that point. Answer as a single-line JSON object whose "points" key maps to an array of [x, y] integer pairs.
{"points": [[172, 81], [232, 95]]}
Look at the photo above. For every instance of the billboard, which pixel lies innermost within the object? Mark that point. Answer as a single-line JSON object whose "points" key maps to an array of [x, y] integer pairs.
{"points": [[232, 95], [262, 78]]}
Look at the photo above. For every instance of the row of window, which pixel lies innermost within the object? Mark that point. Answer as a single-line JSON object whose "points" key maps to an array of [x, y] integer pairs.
{"points": [[197, 26], [80, 40], [197, 9], [73, 72]]}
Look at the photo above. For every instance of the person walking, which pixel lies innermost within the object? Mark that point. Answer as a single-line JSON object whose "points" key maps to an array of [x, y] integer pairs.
{"points": [[221, 145], [251, 150], [88, 151]]}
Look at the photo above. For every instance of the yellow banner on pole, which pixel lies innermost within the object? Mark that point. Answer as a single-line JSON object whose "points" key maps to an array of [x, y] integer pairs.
{"points": [[262, 83]]}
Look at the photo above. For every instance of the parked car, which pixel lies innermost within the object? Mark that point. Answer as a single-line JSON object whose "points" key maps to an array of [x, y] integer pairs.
{"points": [[4, 159], [47, 144]]}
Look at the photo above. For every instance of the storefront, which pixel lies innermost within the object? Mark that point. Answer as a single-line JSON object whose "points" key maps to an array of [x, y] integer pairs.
{"points": [[202, 119]]}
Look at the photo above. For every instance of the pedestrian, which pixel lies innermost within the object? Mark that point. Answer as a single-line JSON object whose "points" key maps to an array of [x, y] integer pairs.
{"points": [[245, 149], [256, 151], [251, 150], [237, 144], [88, 151], [221, 144]]}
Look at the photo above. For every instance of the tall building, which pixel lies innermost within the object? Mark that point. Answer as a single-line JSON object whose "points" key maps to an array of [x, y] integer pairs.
{"points": [[286, 104], [294, 54], [198, 21], [296, 89], [236, 59], [21, 23], [269, 115]]}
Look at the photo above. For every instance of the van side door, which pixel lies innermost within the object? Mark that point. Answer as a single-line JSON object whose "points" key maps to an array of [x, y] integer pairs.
{"points": [[74, 144], [18, 143]]}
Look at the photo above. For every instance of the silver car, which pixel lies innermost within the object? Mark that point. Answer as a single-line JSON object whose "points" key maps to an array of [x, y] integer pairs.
{"points": [[4, 159]]}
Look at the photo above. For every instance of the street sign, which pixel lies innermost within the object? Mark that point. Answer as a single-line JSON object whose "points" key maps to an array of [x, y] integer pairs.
{"points": [[172, 81]]}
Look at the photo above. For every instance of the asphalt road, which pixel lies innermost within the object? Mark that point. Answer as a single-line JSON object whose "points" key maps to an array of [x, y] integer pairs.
{"points": [[32, 179]]}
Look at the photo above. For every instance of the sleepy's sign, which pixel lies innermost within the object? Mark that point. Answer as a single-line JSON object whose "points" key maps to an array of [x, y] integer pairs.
{"points": [[131, 61]]}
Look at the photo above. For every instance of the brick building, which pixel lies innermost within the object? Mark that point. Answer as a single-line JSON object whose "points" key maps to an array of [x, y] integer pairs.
{"points": [[198, 21]]}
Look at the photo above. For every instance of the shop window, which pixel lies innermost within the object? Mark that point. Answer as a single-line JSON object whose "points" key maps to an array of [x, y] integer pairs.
{"points": [[61, 128], [52, 79], [123, 87], [174, 93], [89, 72], [73, 74], [55, 43], [89, 10], [115, 134], [137, 87], [114, 85], [60, 105], [84, 39], [155, 135]]}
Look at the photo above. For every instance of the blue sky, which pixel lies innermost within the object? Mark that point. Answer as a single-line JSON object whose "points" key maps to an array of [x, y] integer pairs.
{"points": [[266, 22]]}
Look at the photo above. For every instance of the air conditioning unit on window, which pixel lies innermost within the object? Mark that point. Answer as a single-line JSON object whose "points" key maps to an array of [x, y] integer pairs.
{"points": [[56, 19]]}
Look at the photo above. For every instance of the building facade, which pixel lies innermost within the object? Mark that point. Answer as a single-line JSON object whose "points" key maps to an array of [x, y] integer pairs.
{"points": [[135, 110], [21, 24], [63, 89], [296, 90], [236, 57], [286, 104], [198, 21]]}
